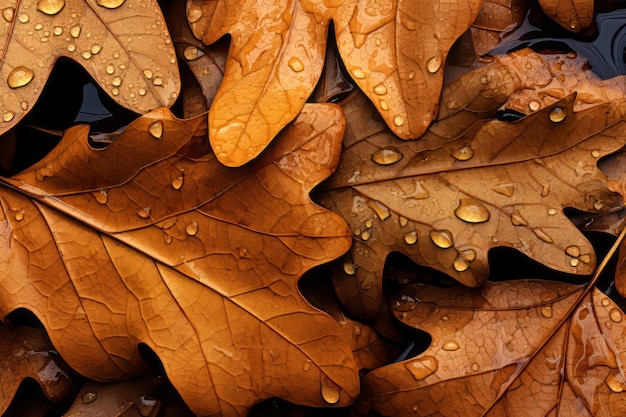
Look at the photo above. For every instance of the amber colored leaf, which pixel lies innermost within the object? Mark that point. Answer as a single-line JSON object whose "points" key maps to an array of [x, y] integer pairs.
{"points": [[574, 15], [395, 52], [496, 184], [123, 44], [140, 243], [28, 353], [516, 348], [494, 19]]}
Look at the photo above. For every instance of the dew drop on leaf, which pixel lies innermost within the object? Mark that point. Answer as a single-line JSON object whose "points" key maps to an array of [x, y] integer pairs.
{"points": [[442, 239], [369, 223], [86, 55], [95, 49], [460, 264], [156, 129], [157, 81], [23, 18], [574, 262], [405, 302], [191, 53], [403, 221], [546, 311], [380, 89], [381, 210], [433, 64], [471, 211], [384, 105], [191, 228], [422, 367], [358, 73], [330, 391], [615, 315], [517, 219], [614, 384], [110, 69], [504, 189], [295, 64], [148, 73], [542, 235], [411, 238], [8, 116], [58, 30], [558, 114], [19, 216], [386, 156], [349, 268], [178, 181], [605, 302], [463, 154], [534, 105], [50, 7], [307, 365], [110, 4], [75, 31], [398, 120], [366, 235], [8, 14], [468, 254], [450, 345], [20, 76], [573, 251], [89, 397], [144, 213], [101, 196], [194, 13]]}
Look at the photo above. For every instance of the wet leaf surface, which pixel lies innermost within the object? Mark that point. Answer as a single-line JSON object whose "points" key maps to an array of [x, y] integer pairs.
{"points": [[148, 242], [573, 15], [277, 54], [123, 44]]}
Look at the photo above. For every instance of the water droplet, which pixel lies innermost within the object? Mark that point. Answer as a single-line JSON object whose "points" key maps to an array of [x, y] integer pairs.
{"points": [[422, 367], [366, 235], [573, 251], [349, 268], [442, 238], [484, 80], [95, 49], [178, 181], [605, 302], [8, 116], [463, 154], [542, 235], [598, 205], [595, 153], [433, 64], [115, 91], [330, 391], [450, 346], [546, 311], [89, 397], [110, 4], [117, 81], [295, 64], [194, 13], [191, 228], [471, 211], [20, 76], [358, 73], [614, 384], [384, 105], [71, 47], [191, 53], [157, 81], [381, 210], [380, 89], [75, 31], [504, 189], [38, 26], [615, 315], [307, 365], [460, 264], [586, 258], [58, 30], [142, 92], [110, 69], [19, 216], [403, 221], [369, 223], [23, 18], [156, 129], [534, 105], [8, 14], [405, 302], [144, 213], [386, 156], [86, 55], [558, 114], [411, 238], [24, 105], [545, 190], [357, 232], [398, 120], [101, 196], [411, 75], [574, 262], [50, 7], [468, 254], [552, 211], [475, 367]]}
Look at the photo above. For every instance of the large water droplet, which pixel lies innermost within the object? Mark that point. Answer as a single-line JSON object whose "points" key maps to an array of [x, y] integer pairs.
{"points": [[542, 235], [295, 64], [463, 154], [411, 238], [615, 315], [534, 105], [144, 213], [23, 18], [573, 251], [422, 367], [156, 129], [504, 189], [8, 116], [86, 55], [381, 210], [380, 89], [471, 211], [349, 268], [546, 311], [398, 120], [586, 258], [75, 31], [8, 13], [614, 383], [19, 216], [558, 114], [441, 238], [110, 4], [177, 181], [58, 30], [191, 228], [117, 81], [20, 76], [191, 53], [460, 264], [450, 345], [366, 235], [95, 49], [101, 196], [50, 7], [433, 64], [386, 156], [330, 391], [517, 219], [194, 13], [358, 73], [469, 255], [403, 221], [157, 81]]}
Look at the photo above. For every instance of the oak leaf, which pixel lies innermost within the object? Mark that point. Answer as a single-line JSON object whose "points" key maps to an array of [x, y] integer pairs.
{"points": [[496, 184], [123, 44], [395, 52], [148, 241], [516, 348]]}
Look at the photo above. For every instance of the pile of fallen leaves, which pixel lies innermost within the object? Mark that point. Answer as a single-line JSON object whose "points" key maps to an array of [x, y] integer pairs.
{"points": [[231, 208]]}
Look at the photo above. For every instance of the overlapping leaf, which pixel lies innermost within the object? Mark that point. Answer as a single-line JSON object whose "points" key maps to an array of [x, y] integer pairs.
{"points": [[395, 51], [123, 44], [141, 243], [516, 348], [494, 184], [573, 15]]}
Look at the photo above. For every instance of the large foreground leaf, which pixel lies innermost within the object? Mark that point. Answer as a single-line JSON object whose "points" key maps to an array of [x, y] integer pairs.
{"points": [[394, 50], [141, 243], [123, 44]]}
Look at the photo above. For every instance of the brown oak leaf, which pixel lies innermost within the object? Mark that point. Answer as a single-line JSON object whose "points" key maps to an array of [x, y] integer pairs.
{"points": [[148, 242], [395, 51], [123, 44], [517, 348]]}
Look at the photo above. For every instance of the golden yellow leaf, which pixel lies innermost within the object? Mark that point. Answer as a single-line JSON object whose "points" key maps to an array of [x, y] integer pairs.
{"points": [[148, 242], [394, 51], [123, 44]]}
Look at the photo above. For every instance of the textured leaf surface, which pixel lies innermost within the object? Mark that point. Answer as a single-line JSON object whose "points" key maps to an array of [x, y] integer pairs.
{"points": [[123, 44], [514, 348], [141, 243], [573, 15], [395, 52]]}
